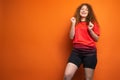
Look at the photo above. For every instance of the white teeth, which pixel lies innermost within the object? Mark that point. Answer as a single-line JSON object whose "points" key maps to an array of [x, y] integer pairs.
{"points": [[83, 13]]}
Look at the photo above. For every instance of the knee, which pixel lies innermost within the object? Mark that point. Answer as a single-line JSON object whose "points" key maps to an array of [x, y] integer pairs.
{"points": [[68, 76], [88, 78]]}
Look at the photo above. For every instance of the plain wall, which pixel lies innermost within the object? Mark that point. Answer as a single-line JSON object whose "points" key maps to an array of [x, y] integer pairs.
{"points": [[35, 42]]}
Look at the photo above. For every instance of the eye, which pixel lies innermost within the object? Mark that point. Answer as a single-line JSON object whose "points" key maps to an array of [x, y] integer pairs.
{"points": [[82, 8], [86, 9]]}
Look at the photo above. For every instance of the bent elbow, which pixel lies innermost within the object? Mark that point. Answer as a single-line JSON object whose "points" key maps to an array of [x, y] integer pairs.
{"points": [[71, 37], [96, 40]]}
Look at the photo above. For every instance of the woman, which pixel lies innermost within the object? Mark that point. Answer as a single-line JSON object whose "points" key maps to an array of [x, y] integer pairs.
{"points": [[84, 33]]}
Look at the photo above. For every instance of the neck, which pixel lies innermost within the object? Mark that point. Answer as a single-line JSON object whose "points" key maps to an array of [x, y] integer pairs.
{"points": [[83, 19]]}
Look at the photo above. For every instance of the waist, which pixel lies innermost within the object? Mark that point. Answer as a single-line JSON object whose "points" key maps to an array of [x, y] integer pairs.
{"points": [[83, 46], [85, 52]]}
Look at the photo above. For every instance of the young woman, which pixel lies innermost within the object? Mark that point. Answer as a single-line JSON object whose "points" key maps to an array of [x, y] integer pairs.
{"points": [[84, 33]]}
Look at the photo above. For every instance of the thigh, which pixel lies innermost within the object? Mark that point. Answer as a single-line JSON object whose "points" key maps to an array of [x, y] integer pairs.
{"points": [[89, 73], [70, 69], [75, 58], [90, 61]]}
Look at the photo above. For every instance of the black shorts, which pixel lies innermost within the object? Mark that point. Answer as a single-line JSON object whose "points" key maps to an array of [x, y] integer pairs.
{"points": [[79, 57]]}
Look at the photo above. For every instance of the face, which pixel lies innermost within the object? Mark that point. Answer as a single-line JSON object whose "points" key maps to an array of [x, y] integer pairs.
{"points": [[84, 11]]}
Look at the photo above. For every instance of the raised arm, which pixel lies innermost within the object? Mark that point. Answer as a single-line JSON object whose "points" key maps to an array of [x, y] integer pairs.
{"points": [[72, 29], [92, 33]]}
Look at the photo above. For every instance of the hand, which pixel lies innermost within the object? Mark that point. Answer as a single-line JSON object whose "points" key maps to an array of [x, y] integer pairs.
{"points": [[73, 20], [90, 26]]}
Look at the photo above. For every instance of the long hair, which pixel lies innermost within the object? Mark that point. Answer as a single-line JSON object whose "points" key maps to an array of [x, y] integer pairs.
{"points": [[90, 17]]}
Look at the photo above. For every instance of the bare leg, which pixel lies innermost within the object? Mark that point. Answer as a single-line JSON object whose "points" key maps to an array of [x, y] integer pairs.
{"points": [[89, 73], [70, 71]]}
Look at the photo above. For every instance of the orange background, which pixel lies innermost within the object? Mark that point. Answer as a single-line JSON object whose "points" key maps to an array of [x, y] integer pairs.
{"points": [[35, 43]]}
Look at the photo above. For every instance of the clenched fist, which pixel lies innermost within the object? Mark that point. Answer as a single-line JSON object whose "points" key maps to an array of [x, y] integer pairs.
{"points": [[73, 20], [90, 26]]}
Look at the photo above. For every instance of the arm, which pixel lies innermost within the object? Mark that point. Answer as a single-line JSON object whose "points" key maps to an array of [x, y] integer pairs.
{"points": [[72, 30], [92, 33]]}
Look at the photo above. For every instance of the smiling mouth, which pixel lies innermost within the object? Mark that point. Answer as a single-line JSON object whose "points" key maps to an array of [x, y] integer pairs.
{"points": [[84, 13]]}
